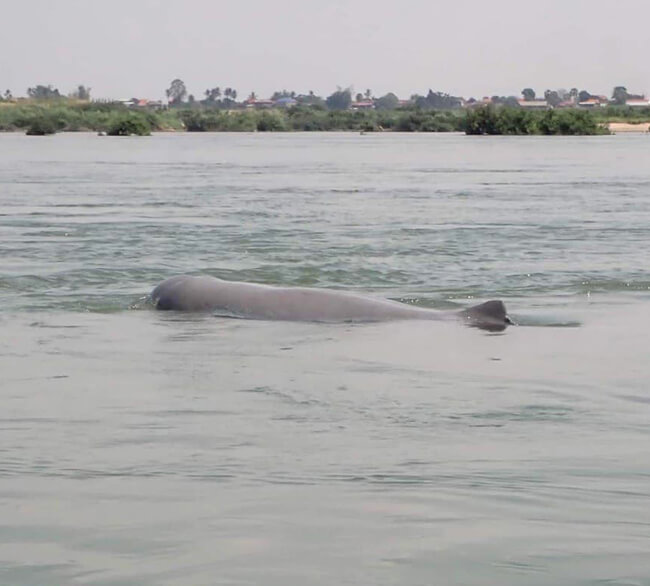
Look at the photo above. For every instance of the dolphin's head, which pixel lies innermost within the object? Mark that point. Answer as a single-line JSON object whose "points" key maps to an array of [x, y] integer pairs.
{"points": [[169, 294]]}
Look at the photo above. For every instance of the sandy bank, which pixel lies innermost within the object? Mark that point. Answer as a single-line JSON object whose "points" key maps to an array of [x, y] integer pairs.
{"points": [[617, 127]]}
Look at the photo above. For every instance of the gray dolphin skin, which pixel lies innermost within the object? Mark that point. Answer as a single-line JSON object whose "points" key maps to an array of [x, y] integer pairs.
{"points": [[254, 301]]}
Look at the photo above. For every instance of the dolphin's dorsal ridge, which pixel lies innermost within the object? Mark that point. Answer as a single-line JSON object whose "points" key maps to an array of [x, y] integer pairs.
{"points": [[489, 315]]}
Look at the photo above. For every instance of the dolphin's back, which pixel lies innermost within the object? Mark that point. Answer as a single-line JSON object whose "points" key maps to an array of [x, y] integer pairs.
{"points": [[250, 300], [203, 293]]}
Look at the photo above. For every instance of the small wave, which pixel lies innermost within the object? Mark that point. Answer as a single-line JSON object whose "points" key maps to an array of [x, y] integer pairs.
{"points": [[465, 170], [527, 413], [600, 285], [283, 396], [544, 321]]}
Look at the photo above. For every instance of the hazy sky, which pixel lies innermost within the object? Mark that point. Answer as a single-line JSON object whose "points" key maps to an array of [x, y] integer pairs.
{"points": [[125, 48]]}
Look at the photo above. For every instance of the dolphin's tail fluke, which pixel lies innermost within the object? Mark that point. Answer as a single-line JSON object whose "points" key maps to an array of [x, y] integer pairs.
{"points": [[490, 315]]}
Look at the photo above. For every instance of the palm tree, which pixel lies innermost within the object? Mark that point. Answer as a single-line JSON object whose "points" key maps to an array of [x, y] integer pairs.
{"points": [[212, 95]]}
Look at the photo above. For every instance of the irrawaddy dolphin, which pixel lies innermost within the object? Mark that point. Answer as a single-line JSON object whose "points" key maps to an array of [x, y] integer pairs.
{"points": [[255, 301]]}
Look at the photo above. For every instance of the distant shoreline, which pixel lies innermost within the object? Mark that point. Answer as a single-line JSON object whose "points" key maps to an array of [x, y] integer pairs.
{"points": [[39, 118], [613, 127]]}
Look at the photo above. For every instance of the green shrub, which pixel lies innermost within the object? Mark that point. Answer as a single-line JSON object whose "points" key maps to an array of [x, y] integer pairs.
{"points": [[427, 121], [271, 122], [506, 120], [128, 124], [62, 114], [481, 121], [215, 120], [569, 122], [41, 127]]}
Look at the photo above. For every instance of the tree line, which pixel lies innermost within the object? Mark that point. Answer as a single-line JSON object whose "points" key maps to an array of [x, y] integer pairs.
{"points": [[48, 92], [341, 99], [619, 96]]}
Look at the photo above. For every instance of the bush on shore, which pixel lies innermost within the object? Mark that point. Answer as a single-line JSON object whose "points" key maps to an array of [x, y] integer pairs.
{"points": [[129, 124], [514, 121], [41, 127], [218, 120], [80, 117], [117, 119]]}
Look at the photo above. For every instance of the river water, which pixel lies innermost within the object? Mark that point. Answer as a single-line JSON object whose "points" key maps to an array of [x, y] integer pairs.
{"points": [[153, 448]]}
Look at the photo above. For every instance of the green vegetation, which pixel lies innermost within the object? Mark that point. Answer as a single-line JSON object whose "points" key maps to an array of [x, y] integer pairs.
{"points": [[528, 94], [81, 93], [437, 101], [128, 124], [622, 114], [41, 127], [513, 121], [49, 115], [306, 118], [339, 100], [176, 92], [431, 121], [70, 115], [43, 92], [619, 95], [388, 102]]}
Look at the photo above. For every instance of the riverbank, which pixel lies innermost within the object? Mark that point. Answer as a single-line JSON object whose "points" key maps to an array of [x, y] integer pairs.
{"points": [[620, 127], [41, 118]]}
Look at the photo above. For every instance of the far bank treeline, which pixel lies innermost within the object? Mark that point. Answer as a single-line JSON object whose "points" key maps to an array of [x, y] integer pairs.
{"points": [[46, 111], [115, 119]]}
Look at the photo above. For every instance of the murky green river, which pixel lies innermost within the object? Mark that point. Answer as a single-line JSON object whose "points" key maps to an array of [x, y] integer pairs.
{"points": [[154, 448]]}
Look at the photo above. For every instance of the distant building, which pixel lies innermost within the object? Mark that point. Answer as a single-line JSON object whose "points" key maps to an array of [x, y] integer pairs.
{"points": [[253, 103], [285, 102], [534, 104], [593, 102], [637, 102], [141, 103], [365, 105]]}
